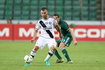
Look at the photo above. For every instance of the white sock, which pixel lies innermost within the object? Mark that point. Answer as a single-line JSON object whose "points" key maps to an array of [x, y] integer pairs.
{"points": [[33, 53], [50, 53]]}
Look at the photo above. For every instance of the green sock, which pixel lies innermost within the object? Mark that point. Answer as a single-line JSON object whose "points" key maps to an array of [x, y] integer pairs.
{"points": [[57, 54], [66, 54]]}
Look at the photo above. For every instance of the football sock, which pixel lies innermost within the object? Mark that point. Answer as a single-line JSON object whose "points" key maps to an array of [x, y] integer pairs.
{"points": [[66, 54], [57, 54], [33, 53], [50, 54]]}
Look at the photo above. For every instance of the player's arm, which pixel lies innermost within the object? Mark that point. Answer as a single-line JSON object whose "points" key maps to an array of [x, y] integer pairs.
{"points": [[73, 36], [57, 27], [66, 27], [35, 34]]}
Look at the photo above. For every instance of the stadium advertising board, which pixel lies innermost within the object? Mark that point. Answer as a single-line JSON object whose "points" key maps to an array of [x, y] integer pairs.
{"points": [[23, 32], [6, 32], [26, 32], [90, 33]]}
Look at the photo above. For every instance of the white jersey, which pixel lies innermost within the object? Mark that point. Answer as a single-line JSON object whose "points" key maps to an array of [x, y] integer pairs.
{"points": [[50, 23]]}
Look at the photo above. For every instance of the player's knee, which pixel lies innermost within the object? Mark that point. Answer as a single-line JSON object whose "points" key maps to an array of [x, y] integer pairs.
{"points": [[53, 48], [36, 48], [62, 45]]}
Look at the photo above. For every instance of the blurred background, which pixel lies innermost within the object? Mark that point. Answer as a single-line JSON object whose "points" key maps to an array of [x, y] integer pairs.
{"points": [[78, 12], [89, 10], [17, 24]]}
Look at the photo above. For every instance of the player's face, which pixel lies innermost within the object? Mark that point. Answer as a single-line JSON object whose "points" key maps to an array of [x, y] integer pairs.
{"points": [[44, 13], [57, 18]]}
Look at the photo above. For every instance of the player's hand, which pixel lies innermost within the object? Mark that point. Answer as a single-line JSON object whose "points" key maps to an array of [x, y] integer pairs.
{"points": [[32, 40], [75, 42]]}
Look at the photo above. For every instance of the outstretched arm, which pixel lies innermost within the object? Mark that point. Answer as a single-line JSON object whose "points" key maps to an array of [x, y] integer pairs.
{"points": [[35, 33], [73, 36]]}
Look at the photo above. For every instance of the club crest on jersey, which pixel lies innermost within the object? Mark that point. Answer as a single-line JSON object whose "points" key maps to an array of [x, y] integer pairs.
{"points": [[48, 23]]}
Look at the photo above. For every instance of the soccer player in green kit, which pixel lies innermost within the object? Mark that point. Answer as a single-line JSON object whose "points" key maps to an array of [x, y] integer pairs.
{"points": [[67, 36]]}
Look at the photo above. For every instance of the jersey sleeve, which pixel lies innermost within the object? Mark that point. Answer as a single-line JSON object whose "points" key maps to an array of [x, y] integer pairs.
{"points": [[65, 26], [37, 26]]}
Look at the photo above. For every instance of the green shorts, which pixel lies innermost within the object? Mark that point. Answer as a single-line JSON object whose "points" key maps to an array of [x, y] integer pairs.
{"points": [[66, 40]]}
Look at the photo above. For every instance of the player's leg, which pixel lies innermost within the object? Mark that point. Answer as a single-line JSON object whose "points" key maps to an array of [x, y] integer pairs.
{"points": [[50, 53], [65, 42], [32, 53], [38, 45], [64, 51], [52, 47], [34, 50], [59, 60]]}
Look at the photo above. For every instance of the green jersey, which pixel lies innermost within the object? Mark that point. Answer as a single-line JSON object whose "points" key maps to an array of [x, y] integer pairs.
{"points": [[64, 28], [67, 38]]}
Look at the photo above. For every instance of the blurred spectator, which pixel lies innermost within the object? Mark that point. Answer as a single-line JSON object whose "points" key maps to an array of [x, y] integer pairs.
{"points": [[9, 21]]}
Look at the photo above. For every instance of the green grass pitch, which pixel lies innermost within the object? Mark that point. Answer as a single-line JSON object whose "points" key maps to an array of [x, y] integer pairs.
{"points": [[86, 56]]}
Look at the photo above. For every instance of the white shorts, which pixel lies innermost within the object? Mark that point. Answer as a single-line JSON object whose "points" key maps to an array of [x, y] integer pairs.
{"points": [[42, 42]]}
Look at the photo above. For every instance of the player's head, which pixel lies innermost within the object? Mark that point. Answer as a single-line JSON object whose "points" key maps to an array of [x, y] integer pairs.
{"points": [[44, 12], [57, 17]]}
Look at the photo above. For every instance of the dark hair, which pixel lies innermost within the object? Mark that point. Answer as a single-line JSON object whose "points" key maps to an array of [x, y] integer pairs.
{"points": [[56, 15], [44, 8]]}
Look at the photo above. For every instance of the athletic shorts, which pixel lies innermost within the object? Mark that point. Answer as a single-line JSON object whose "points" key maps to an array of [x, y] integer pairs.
{"points": [[66, 40], [42, 42]]}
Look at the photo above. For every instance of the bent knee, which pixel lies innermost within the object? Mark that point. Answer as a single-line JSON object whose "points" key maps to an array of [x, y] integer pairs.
{"points": [[62, 45], [53, 47], [36, 48]]}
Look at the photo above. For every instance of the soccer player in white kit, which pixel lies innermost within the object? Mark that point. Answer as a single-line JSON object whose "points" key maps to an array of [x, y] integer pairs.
{"points": [[46, 26]]}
